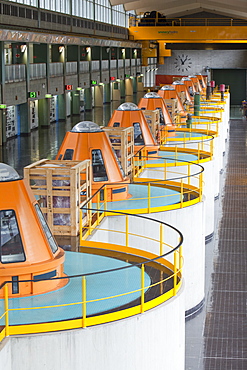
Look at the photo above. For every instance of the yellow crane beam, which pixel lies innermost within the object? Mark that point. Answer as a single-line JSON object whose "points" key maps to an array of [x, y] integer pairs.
{"points": [[190, 34]]}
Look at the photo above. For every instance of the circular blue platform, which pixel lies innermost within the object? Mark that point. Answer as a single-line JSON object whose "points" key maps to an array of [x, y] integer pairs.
{"points": [[187, 135], [171, 157], [160, 196], [98, 286], [164, 157]]}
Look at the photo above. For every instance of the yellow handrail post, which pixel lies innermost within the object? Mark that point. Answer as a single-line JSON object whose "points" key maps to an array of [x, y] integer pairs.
{"points": [[149, 197], [142, 287], [6, 306], [98, 207], [90, 222], [165, 170], [189, 172], [80, 225], [161, 239], [181, 195], [175, 274], [84, 303], [105, 198], [200, 184], [127, 231], [180, 258]]}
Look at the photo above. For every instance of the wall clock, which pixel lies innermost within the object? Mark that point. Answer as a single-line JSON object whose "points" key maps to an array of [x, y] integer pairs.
{"points": [[183, 63]]}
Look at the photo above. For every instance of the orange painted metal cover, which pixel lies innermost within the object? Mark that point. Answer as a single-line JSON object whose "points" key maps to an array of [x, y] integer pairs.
{"points": [[169, 92], [202, 80], [181, 87], [87, 140], [196, 83], [152, 101], [128, 115], [28, 250], [190, 86]]}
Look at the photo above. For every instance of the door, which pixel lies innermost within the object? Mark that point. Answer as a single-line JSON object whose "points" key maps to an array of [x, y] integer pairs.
{"points": [[236, 79]]}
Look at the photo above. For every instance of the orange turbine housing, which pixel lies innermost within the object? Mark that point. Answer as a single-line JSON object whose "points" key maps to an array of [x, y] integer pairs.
{"points": [[152, 101], [87, 140], [181, 88], [196, 83], [128, 115], [28, 250], [202, 81], [190, 86], [169, 92]]}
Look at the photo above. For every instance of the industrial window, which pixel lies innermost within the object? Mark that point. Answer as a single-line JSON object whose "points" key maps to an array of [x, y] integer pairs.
{"points": [[6, 9], [99, 170], [54, 18], [22, 12], [68, 156], [47, 231], [162, 120], [116, 124], [11, 248], [138, 137], [28, 13], [118, 15], [14, 10], [35, 15]]}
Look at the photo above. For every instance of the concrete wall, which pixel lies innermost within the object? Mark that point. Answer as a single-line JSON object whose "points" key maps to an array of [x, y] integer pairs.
{"points": [[39, 86], [72, 80], [56, 85], [15, 93], [5, 354], [204, 58], [153, 340], [84, 80]]}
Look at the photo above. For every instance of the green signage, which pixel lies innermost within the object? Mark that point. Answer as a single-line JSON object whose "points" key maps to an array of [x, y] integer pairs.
{"points": [[32, 94], [3, 106], [93, 82]]}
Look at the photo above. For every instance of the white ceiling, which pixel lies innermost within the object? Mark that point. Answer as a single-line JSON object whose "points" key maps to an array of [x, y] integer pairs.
{"points": [[179, 8]]}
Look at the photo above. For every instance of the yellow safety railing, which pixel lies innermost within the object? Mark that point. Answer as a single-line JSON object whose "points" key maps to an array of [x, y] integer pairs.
{"points": [[217, 89], [204, 124], [165, 257], [188, 134], [182, 185], [203, 150], [157, 19], [215, 101]]}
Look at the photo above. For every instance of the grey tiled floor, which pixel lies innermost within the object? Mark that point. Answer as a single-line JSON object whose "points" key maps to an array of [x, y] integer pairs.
{"points": [[216, 339]]}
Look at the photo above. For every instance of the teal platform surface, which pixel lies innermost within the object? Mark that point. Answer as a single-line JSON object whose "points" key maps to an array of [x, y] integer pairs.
{"points": [[98, 286], [160, 196]]}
